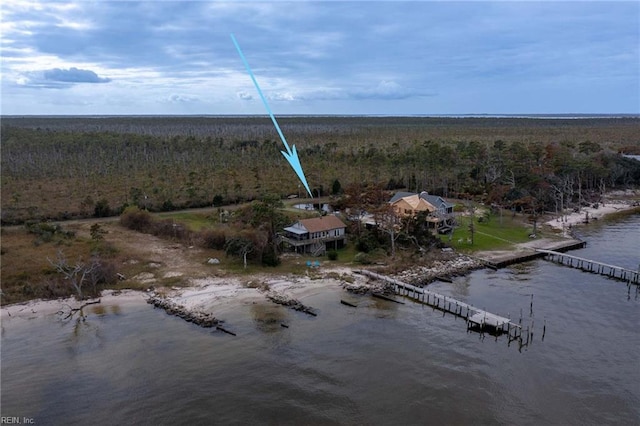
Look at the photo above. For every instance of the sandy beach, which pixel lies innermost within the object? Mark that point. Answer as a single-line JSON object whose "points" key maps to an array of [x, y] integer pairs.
{"points": [[214, 295], [614, 202], [59, 308]]}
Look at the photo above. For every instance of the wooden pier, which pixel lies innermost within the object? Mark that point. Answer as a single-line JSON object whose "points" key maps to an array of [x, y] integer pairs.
{"points": [[528, 251], [476, 319], [587, 265]]}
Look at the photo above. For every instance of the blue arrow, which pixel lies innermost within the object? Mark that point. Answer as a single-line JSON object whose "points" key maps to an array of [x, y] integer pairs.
{"points": [[291, 154]]}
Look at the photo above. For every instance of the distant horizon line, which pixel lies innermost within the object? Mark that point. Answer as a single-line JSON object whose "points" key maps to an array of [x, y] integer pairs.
{"points": [[468, 115]]}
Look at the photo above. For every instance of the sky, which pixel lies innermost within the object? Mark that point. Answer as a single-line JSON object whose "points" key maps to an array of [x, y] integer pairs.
{"points": [[319, 57]]}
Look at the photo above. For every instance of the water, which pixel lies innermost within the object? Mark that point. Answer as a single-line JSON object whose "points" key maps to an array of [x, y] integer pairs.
{"points": [[381, 363]]}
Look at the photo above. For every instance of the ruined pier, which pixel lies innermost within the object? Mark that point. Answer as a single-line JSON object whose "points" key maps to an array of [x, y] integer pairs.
{"points": [[477, 319], [592, 266]]}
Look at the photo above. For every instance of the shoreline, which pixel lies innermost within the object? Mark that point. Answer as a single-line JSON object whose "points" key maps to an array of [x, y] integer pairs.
{"points": [[220, 295], [612, 203], [214, 298]]}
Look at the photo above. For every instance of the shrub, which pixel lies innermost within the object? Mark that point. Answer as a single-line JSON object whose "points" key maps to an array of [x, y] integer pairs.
{"points": [[362, 258], [97, 233], [367, 242], [218, 200], [136, 219], [332, 255], [213, 239], [270, 258], [167, 205], [47, 232], [102, 208], [169, 228]]}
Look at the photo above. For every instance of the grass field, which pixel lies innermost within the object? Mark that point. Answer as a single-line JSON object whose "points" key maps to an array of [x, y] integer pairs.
{"points": [[194, 221], [493, 233]]}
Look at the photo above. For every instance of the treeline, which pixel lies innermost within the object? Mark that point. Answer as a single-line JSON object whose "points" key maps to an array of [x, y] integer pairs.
{"points": [[78, 167]]}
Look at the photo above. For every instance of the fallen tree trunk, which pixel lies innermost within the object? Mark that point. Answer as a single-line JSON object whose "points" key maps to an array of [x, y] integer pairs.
{"points": [[72, 311]]}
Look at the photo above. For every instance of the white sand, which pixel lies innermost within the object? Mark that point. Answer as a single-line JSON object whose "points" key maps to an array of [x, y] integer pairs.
{"points": [[214, 294], [572, 219], [218, 295], [42, 308]]}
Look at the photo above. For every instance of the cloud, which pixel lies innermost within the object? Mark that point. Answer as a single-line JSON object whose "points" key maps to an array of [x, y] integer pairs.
{"points": [[317, 56], [175, 98], [383, 90], [387, 90], [59, 78], [73, 75], [281, 96], [244, 96]]}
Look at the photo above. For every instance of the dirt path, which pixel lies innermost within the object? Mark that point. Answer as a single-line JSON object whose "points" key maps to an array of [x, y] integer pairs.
{"points": [[152, 260]]}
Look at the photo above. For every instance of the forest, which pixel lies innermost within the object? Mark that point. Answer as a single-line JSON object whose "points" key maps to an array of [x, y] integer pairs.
{"points": [[56, 168]]}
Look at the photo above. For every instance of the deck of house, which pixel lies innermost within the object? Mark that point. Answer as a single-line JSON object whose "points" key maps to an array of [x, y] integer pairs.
{"points": [[315, 246]]}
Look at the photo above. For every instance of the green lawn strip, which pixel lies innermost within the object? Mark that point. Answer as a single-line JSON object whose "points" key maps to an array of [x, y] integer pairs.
{"points": [[195, 221], [490, 234]]}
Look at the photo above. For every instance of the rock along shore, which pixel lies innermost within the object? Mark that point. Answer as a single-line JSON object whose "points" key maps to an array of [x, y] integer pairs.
{"points": [[440, 270], [202, 319], [289, 302]]}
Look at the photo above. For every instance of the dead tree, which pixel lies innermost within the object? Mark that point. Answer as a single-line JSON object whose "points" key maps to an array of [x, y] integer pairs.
{"points": [[77, 275], [388, 221], [73, 311]]}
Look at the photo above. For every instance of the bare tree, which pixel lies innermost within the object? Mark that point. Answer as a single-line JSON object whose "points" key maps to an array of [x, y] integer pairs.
{"points": [[558, 196], [240, 246], [471, 209], [77, 275], [388, 221]]}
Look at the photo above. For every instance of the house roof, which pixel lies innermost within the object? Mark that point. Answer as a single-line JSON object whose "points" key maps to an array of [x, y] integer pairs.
{"points": [[414, 202], [322, 223], [399, 195], [435, 200], [295, 230]]}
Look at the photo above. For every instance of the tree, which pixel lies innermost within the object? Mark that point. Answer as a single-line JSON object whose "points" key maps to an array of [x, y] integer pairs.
{"points": [[80, 274], [471, 209], [389, 222], [239, 246], [102, 208], [336, 187], [97, 233]]}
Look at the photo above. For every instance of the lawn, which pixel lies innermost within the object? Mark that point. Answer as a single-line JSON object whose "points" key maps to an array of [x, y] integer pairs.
{"points": [[493, 233], [195, 221]]}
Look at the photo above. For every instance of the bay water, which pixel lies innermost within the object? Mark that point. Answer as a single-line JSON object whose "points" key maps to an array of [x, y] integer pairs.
{"points": [[381, 363]]}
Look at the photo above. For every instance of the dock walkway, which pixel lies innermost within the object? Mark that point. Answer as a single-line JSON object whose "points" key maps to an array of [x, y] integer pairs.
{"points": [[587, 265], [476, 318], [528, 251]]}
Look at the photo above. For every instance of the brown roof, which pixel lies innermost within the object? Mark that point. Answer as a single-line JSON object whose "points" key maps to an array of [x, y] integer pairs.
{"points": [[416, 203], [322, 223]]}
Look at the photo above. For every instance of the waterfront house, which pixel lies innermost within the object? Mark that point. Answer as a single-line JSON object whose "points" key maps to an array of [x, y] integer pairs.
{"points": [[315, 235], [410, 205], [439, 211]]}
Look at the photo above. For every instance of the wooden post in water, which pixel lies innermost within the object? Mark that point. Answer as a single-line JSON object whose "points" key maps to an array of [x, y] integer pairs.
{"points": [[531, 306]]}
